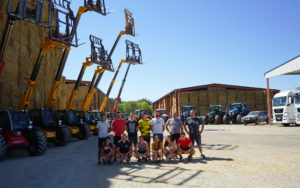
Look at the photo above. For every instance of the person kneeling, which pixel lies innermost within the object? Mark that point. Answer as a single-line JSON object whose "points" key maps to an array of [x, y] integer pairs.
{"points": [[124, 150], [107, 151], [142, 150], [170, 149], [157, 149], [185, 146]]}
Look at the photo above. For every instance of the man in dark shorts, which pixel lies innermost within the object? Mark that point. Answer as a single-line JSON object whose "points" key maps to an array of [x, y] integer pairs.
{"points": [[185, 146], [194, 125], [118, 127], [103, 132], [175, 127], [145, 128], [107, 151], [132, 128], [124, 150]]}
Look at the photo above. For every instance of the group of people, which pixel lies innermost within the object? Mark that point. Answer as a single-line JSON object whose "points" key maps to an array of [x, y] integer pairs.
{"points": [[172, 147]]}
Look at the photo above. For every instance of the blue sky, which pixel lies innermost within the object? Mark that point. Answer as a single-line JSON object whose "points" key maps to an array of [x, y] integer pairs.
{"points": [[193, 42]]}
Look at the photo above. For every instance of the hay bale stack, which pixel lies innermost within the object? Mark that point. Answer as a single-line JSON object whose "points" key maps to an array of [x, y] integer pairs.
{"points": [[222, 96], [212, 96], [231, 96], [202, 97], [241, 96]]}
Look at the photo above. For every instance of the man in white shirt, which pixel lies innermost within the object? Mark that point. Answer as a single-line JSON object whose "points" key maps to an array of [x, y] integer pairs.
{"points": [[103, 130], [158, 126]]}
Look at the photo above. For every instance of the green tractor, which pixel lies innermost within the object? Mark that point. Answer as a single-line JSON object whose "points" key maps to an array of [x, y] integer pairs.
{"points": [[215, 114]]}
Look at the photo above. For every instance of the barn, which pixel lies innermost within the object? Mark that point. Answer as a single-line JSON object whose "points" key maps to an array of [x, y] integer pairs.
{"points": [[213, 94]]}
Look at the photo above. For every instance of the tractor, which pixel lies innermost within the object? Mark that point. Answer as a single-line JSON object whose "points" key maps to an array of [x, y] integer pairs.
{"points": [[88, 118], [185, 112], [78, 129], [139, 114], [55, 132], [235, 112], [16, 129], [215, 114]]}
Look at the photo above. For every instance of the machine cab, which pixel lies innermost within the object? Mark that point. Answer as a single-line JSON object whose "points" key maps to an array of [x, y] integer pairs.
{"points": [[14, 120]]}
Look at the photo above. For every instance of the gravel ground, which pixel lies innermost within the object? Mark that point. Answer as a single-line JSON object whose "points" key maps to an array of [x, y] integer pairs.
{"points": [[237, 156]]}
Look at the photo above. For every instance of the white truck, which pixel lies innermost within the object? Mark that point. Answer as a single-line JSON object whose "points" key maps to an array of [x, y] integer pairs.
{"points": [[284, 107], [297, 108]]}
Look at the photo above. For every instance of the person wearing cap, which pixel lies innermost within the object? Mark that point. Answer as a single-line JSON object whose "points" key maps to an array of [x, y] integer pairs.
{"points": [[175, 127]]}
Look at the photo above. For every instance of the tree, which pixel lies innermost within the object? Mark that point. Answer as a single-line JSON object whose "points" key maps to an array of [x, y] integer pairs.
{"points": [[131, 106]]}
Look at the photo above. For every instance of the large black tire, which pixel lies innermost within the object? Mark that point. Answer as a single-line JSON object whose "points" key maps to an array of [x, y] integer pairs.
{"points": [[217, 117], [285, 124], [226, 119], [238, 119], [37, 143], [63, 136], [2, 147], [84, 132]]}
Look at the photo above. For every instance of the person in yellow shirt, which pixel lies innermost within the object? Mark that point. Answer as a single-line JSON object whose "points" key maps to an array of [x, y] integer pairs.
{"points": [[145, 128]]}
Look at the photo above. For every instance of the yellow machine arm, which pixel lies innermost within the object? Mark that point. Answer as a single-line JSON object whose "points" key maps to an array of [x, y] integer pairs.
{"points": [[56, 81], [89, 95], [76, 87], [31, 82], [103, 105]]}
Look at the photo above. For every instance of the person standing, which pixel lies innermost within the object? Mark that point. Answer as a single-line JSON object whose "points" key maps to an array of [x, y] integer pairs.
{"points": [[194, 131], [144, 127], [118, 127], [132, 128], [158, 126], [175, 127], [103, 132]]}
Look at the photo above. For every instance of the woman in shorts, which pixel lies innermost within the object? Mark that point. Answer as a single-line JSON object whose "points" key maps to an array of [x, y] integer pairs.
{"points": [[170, 149], [157, 149]]}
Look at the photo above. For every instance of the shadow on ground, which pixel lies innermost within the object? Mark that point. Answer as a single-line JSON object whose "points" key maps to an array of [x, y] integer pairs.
{"points": [[219, 146]]}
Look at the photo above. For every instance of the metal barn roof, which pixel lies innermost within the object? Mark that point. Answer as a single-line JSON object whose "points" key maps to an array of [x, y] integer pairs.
{"points": [[291, 67]]}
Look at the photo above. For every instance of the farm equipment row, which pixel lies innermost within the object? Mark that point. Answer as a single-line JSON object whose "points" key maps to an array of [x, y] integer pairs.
{"points": [[33, 129]]}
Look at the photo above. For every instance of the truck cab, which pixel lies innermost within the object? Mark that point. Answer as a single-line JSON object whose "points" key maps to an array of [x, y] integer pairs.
{"points": [[284, 106], [297, 108]]}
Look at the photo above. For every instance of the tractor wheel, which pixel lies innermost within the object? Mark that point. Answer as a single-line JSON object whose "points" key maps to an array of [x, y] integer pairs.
{"points": [[84, 132], [226, 119], [63, 136], [216, 122], [238, 119], [2, 147], [37, 143]]}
